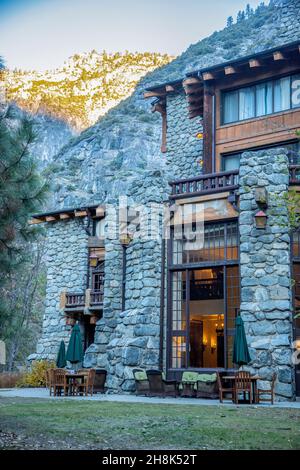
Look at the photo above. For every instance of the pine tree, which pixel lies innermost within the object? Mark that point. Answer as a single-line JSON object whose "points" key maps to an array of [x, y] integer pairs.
{"points": [[229, 21], [22, 190], [249, 11]]}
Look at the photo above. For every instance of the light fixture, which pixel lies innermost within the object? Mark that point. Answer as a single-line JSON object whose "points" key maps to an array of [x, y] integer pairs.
{"points": [[93, 260], [204, 343], [213, 346], [260, 219]]}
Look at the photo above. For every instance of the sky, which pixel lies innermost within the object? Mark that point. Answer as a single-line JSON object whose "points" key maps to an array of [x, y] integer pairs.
{"points": [[42, 34]]}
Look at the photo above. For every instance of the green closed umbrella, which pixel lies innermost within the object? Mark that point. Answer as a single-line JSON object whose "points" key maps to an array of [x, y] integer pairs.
{"points": [[241, 354], [61, 356], [74, 351]]}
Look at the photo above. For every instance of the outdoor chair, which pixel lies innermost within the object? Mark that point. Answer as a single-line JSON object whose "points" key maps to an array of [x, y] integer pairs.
{"points": [[243, 385], [159, 386], [260, 393], [87, 386], [59, 382], [50, 380], [224, 390], [188, 384], [141, 382], [100, 379], [207, 386]]}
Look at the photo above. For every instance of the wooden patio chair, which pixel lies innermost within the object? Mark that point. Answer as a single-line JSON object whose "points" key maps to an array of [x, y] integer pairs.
{"points": [[224, 390], [270, 391], [158, 386], [243, 385], [87, 386], [59, 382], [50, 380], [141, 382]]}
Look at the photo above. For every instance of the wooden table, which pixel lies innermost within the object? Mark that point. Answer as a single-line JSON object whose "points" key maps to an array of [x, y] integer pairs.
{"points": [[253, 378], [71, 382]]}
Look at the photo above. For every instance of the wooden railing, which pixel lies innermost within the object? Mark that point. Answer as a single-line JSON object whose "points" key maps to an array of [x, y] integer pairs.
{"points": [[205, 184], [74, 299], [217, 182], [77, 300], [96, 298], [295, 174]]}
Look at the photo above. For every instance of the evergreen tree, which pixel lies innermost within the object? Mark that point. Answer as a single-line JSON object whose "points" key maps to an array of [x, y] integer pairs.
{"points": [[22, 190], [249, 11], [229, 21]]}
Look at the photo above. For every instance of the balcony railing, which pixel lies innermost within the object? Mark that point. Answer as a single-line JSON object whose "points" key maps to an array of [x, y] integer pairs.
{"points": [[77, 300], [295, 174], [205, 184], [96, 298], [74, 299], [216, 183]]}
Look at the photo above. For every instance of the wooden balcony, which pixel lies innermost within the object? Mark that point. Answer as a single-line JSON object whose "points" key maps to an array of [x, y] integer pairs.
{"points": [[75, 300], [205, 184], [217, 182], [78, 301]]}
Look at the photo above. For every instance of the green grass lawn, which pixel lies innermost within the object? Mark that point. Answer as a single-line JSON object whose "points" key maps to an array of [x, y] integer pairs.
{"points": [[48, 424]]}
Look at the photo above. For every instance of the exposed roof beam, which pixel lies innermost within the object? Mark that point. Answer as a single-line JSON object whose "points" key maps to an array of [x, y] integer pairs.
{"points": [[229, 70], [254, 63], [278, 55], [80, 213], [36, 221], [191, 81], [64, 216], [208, 76], [50, 218], [169, 88], [153, 94]]}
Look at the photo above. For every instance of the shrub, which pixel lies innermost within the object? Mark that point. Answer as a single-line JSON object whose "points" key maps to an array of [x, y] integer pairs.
{"points": [[10, 379], [36, 377]]}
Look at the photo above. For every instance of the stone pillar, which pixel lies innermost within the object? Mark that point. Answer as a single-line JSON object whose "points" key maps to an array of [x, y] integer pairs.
{"points": [[266, 292]]}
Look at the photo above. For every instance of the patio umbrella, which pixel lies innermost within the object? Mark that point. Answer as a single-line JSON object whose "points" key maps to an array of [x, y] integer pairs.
{"points": [[241, 354], [61, 356], [74, 351]]}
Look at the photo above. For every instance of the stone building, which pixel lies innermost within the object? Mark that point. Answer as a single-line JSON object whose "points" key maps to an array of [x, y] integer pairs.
{"points": [[157, 280]]}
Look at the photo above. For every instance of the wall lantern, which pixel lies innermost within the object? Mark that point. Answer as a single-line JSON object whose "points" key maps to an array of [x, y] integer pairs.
{"points": [[261, 219], [93, 260]]}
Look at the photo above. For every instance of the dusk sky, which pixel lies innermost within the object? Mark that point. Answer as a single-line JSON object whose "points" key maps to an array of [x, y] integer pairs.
{"points": [[42, 34]]}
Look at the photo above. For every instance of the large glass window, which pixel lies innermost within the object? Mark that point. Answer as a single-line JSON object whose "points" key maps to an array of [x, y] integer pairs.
{"points": [[232, 161], [205, 301], [258, 100]]}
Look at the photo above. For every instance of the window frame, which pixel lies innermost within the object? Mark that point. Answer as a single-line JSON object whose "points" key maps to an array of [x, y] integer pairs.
{"points": [[254, 84], [187, 268]]}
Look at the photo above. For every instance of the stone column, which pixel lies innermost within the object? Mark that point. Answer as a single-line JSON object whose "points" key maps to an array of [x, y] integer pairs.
{"points": [[265, 269]]}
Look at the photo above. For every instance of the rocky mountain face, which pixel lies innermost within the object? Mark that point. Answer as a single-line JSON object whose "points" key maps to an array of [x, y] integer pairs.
{"points": [[122, 148], [84, 89]]}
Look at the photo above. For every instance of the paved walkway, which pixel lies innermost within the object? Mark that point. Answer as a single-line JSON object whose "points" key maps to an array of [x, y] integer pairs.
{"points": [[44, 393]]}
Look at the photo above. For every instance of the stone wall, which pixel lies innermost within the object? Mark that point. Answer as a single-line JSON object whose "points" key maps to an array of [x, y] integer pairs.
{"points": [[184, 149], [265, 269], [130, 338], [66, 261]]}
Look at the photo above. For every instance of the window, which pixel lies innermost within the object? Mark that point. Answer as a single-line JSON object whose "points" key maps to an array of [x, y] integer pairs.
{"points": [[258, 100], [99, 228], [232, 161], [205, 300]]}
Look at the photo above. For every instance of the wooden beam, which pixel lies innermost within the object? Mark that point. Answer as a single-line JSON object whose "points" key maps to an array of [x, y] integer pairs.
{"points": [[207, 76], [193, 89], [278, 55], [229, 70], [80, 213], [100, 211], [64, 216], [35, 221], [193, 107], [191, 81], [208, 128], [153, 94], [193, 114], [254, 63], [50, 218], [169, 88]]}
